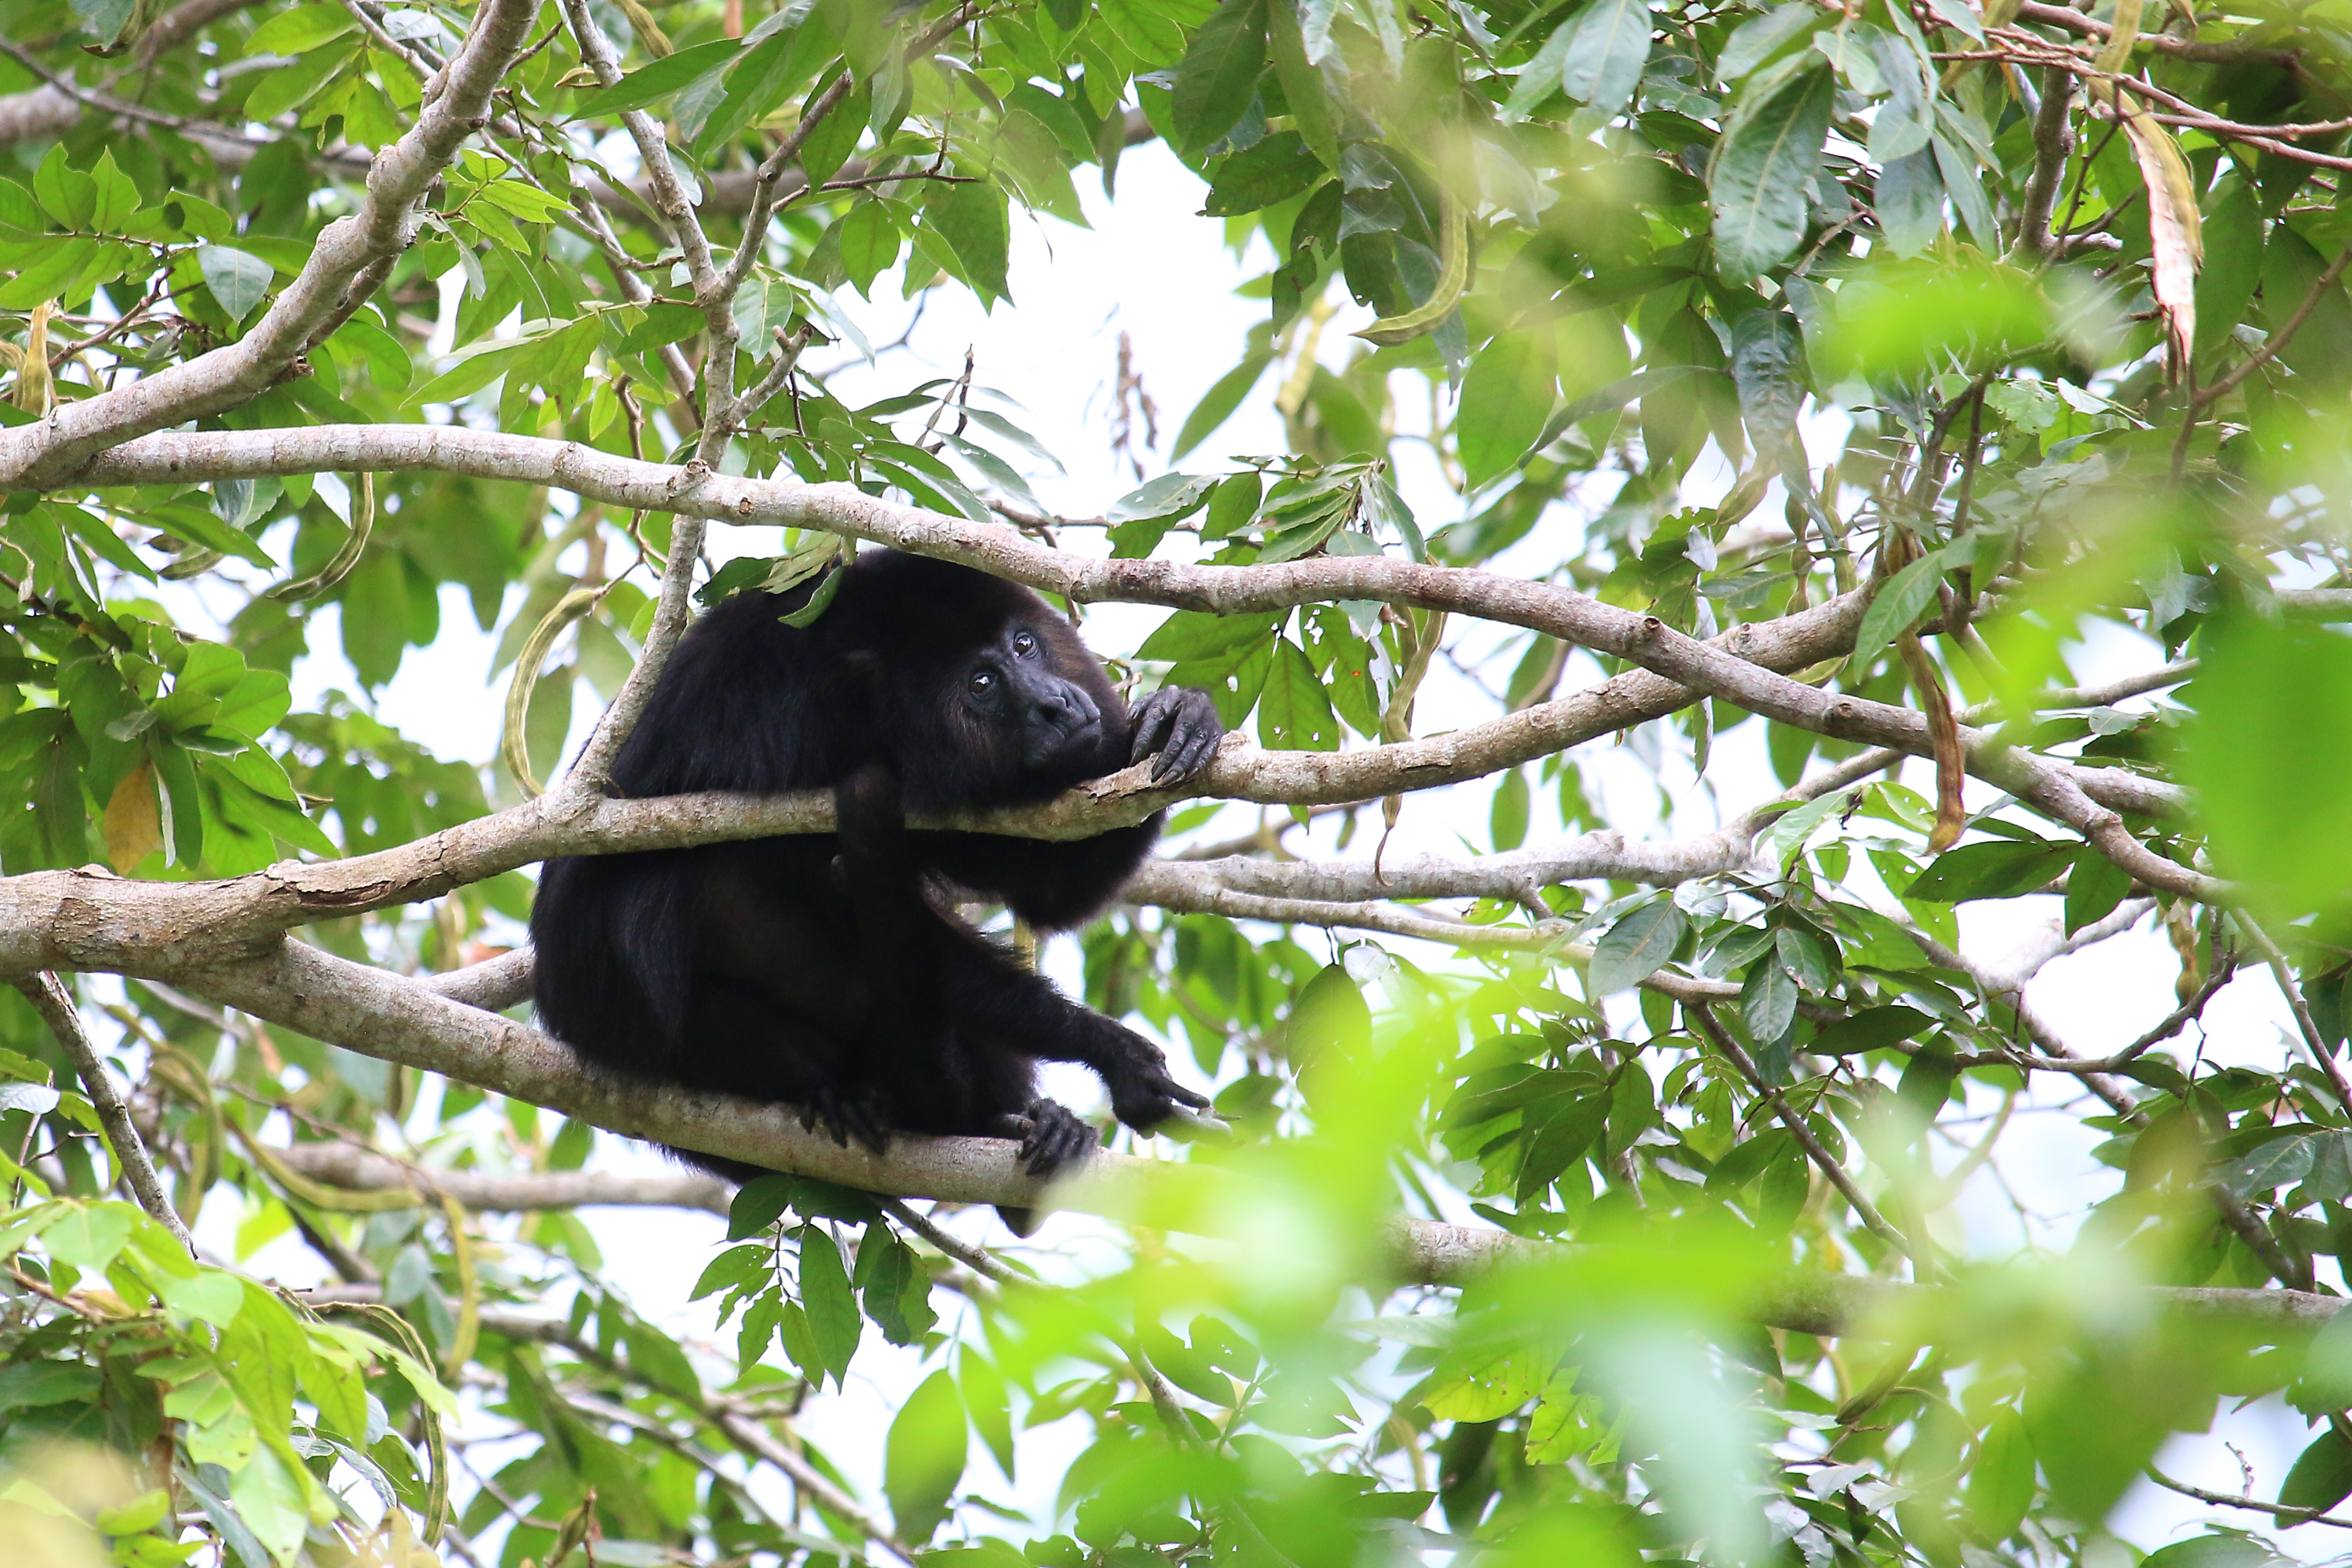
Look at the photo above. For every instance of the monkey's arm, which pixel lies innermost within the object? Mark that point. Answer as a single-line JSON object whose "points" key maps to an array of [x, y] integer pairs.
{"points": [[899, 932], [996, 1001], [1054, 886]]}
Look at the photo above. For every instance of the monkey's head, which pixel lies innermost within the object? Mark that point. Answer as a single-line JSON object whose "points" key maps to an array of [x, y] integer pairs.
{"points": [[983, 695]]}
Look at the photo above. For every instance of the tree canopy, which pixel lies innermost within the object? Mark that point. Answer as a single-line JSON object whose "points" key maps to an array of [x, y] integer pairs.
{"points": [[1942, 409]]}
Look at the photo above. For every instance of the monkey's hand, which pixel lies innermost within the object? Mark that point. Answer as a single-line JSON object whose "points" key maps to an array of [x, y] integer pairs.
{"points": [[1181, 725], [1142, 1095], [1051, 1136]]}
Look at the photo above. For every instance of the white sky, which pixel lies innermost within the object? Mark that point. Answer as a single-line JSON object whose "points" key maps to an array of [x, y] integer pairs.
{"points": [[1150, 270]]}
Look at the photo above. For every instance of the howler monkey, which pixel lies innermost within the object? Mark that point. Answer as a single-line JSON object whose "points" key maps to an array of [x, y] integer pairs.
{"points": [[820, 971]]}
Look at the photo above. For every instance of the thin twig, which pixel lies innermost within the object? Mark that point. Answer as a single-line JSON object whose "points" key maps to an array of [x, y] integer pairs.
{"points": [[50, 999], [2282, 1512], [2314, 1043], [2284, 335], [1720, 1037]]}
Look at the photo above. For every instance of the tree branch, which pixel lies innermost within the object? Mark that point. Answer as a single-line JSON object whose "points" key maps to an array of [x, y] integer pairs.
{"points": [[49, 998], [2053, 143], [363, 1171], [401, 1021]]}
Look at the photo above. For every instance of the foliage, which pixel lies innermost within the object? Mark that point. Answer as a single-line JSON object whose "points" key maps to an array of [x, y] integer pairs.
{"points": [[2025, 325]]}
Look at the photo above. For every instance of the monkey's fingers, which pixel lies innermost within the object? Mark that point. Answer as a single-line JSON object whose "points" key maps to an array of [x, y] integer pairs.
{"points": [[1155, 724], [1188, 756]]}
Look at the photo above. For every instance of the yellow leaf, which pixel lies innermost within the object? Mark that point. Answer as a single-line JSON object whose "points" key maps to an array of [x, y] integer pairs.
{"points": [[133, 828], [2124, 33], [2173, 226], [33, 391]]}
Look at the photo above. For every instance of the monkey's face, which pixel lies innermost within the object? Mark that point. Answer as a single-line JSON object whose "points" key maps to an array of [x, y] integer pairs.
{"points": [[1032, 713]]}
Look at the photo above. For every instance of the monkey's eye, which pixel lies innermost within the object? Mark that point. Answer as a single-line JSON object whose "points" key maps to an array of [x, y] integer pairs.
{"points": [[1023, 644], [982, 682]]}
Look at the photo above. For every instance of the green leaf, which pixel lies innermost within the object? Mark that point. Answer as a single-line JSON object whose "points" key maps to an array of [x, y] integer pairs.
{"points": [[2094, 887], [238, 278], [988, 1404], [1767, 1000], [1507, 818], [300, 30], [652, 83], [835, 137], [1192, 635], [735, 1267], [1219, 74], [1329, 1018], [1900, 601], [1151, 28], [1539, 77], [1767, 368], [29, 1384], [1770, 150], [1302, 84], [970, 219], [1605, 59], [1274, 170], [1870, 1029], [1999, 869], [924, 1458], [1488, 1383], [117, 197], [870, 241], [290, 86], [2280, 1162], [2270, 758], [2322, 1474], [270, 1499], [89, 1236], [826, 1295], [1170, 497], [1295, 713], [1218, 403], [2001, 1482], [1910, 202], [1506, 397], [67, 195], [1637, 947]]}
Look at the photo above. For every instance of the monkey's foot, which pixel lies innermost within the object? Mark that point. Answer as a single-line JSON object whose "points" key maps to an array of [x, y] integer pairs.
{"points": [[846, 1113], [1051, 1136]]}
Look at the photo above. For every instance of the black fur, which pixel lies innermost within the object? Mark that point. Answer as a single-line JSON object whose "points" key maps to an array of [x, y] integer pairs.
{"points": [[819, 971]]}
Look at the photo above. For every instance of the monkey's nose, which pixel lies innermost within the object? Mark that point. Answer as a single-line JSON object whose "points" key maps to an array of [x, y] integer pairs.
{"points": [[1067, 709]]}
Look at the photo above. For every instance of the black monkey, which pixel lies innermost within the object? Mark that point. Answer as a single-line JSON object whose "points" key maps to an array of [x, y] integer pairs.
{"points": [[819, 971]]}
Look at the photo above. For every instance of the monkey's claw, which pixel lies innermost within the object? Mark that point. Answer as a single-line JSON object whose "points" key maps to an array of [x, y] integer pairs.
{"points": [[846, 1113], [1145, 1097]]}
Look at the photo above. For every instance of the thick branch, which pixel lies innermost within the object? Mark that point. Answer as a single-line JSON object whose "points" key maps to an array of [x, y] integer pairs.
{"points": [[2053, 143], [1727, 668]]}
